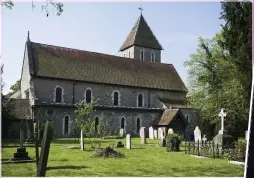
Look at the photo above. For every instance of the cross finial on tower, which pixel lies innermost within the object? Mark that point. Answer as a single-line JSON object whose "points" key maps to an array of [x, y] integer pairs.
{"points": [[141, 9], [28, 38]]}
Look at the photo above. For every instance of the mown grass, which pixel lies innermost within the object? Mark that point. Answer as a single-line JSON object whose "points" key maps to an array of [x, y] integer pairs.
{"points": [[141, 160]]}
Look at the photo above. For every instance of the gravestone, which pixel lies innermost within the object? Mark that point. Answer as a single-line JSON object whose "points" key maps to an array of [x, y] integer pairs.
{"points": [[155, 134], [29, 126], [45, 146], [143, 135], [170, 131], [82, 145], [222, 138], [128, 141], [197, 134], [121, 133], [21, 155], [204, 139], [160, 133], [151, 133], [163, 142]]}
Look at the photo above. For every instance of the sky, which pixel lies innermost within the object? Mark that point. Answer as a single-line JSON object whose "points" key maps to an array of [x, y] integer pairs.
{"points": [[103, 27]]}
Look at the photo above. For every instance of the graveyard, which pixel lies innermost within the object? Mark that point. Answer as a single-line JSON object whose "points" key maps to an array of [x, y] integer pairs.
{"points": [[148, 159]]}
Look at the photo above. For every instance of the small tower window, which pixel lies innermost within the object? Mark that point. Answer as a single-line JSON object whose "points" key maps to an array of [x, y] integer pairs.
{"points": [[59, 93], [116, 98], [141, 55], [88, 96], [138, 125], [122, 123], [124, 55], [140, 100], [153, 57], [129, 54]]}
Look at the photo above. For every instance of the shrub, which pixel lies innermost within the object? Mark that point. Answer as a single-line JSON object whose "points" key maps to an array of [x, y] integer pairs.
{"points": [[108, 153], [238, 153], [173, 142]]}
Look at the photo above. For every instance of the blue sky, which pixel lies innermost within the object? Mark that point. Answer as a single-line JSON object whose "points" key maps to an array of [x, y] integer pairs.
{"points": [[103, 27]]}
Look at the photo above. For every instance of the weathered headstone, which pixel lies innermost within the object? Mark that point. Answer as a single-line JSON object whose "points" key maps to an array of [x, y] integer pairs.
{"points": [[82, 146], [155, 133], [143, 135], [21, 155], [121, 132], [151, 133], [197, 134], [170, 131], [128, 141], [159, 133], [45, 146], [118, 144]]}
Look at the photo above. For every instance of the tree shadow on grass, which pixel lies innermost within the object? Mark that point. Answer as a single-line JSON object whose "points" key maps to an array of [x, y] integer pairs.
{"points": [[66, 167]]}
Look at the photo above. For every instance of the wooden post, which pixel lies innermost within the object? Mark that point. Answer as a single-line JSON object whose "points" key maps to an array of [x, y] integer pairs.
{"points": [[45, 146]]}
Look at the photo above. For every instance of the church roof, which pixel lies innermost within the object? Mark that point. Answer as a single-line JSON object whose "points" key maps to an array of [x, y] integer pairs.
{"points": [[141, 35], [167, 116], [21, 108], [72, 64], [16, 95]]}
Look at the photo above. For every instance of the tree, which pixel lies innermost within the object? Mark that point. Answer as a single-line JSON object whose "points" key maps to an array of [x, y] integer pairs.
{"points": [[237, 40], [213, 86], [49, 3]]}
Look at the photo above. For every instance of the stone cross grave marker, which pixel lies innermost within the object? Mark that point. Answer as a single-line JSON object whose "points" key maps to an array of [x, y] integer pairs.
{"points": [[197, 134], [81, 141], [155, 133], [45, 146], [143, 135], [204, 139], [128, 141], [222, 115], [170, 131], [121, 132], [151, 133]]}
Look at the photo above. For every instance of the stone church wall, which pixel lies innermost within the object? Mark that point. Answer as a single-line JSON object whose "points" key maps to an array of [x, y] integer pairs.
{"points": [[111, 116]]}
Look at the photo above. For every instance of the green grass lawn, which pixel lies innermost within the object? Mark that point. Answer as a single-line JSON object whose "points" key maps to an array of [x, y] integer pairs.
{"points": [[141, 160]]}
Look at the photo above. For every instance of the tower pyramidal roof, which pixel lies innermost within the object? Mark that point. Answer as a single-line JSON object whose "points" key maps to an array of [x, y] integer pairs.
{"points": [[141, 35]]}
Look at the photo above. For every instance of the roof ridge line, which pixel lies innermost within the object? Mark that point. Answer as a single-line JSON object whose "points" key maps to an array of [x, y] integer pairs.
{"points": [[137, 29], [125, 58]]}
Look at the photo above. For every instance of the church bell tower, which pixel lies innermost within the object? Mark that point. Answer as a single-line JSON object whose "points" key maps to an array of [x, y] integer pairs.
{"points": [[141, 43]]}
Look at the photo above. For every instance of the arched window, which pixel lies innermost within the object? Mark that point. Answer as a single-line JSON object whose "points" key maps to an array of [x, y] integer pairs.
{"points": [[88, 96], [66, 125], [59, 93], [141, 55], [138, 125], [116, 98], [122, 123], [153, 57], [96, 123], [140, 100]]}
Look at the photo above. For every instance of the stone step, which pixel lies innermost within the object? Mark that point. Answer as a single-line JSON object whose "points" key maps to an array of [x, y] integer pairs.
{"points": [[21, 150]]}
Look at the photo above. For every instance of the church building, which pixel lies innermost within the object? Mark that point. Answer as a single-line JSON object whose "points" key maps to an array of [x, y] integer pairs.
{"points": [[132, 90]]}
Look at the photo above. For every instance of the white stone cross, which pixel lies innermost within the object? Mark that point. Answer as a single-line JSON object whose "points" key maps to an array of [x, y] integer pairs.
{"points": [[204, 138], [222, 114]]}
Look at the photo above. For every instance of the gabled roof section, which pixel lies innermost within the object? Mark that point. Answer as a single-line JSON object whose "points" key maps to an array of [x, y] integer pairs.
{"points": [[72, 64], [141, 35]]}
